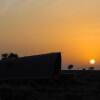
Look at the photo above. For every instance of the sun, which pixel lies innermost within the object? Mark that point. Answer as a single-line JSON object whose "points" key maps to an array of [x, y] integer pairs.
{"points": [[92, 61]]}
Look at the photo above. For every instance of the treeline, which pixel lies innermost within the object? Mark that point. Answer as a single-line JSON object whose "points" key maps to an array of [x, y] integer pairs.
{"points": [[70, 67]]}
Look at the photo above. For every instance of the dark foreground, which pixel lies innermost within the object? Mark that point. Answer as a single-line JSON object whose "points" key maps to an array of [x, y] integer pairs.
{"points": [[64, 85], [49, 90]]}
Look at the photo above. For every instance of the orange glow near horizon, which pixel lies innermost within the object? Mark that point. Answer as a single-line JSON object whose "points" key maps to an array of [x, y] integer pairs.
{"points": [[92, 61], [41, 26]]}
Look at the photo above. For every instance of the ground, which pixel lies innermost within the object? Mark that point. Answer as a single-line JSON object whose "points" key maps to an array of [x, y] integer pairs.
{"points": [[49, 90]]}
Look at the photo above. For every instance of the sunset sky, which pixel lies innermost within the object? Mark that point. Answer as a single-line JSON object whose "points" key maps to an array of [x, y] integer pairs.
{"points": [[29, 27]]}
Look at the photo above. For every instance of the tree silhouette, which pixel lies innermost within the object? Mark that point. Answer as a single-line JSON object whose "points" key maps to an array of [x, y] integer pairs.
{"points": [[4, 56], [12, 55], [9, 56], [83, 69], [91, 68], [70, 67]]}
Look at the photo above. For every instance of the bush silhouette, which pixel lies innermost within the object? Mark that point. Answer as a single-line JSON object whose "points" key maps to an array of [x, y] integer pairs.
{"points": [[83, 69], [4, 56], [12, 55], [70, 67], [91, 68], [9, 56]]}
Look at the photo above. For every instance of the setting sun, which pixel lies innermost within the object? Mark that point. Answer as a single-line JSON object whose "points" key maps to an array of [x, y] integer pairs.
{"points": [[92, 61]]}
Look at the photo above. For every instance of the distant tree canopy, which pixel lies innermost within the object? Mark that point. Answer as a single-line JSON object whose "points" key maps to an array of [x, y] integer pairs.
{"points": [[9, 56], [4, 56], [70, 66], [84, 69], [91, 68], [12, 55]]}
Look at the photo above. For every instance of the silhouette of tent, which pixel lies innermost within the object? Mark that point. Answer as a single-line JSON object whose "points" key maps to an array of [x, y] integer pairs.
{"points": [[31, 67]]}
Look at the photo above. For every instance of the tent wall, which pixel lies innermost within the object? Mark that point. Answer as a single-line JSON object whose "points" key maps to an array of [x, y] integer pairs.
{"points": [[33, 67]]}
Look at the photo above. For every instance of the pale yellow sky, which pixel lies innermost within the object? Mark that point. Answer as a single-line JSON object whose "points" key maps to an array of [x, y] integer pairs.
{"points": [[40, 26]]}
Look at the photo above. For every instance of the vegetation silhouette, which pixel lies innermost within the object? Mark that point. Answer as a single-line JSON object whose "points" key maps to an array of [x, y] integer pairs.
{"points": [[13, 55], [4, 56], [70, 67], [91, 68], [84, 69], [9, 56]]}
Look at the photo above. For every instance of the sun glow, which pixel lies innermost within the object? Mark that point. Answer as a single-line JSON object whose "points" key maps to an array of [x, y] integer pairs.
{"points": [[92, 61]]}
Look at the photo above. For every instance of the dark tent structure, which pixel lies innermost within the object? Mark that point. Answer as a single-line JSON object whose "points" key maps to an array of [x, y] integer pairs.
{"points": [[31, 67]]}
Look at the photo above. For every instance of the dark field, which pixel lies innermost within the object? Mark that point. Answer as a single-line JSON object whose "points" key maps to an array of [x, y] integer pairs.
{"points": [[65, 88]]}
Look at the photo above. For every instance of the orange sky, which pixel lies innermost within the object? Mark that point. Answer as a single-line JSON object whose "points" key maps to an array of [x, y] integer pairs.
{"points": [[40, 26]]}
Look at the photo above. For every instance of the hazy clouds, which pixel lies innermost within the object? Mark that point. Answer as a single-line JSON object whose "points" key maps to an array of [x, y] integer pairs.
{"points": [[8, 5]]}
